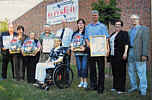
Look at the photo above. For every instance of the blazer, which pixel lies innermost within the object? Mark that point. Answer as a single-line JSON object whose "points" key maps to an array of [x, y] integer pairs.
{"points": [[141, 43], [121, 39]]}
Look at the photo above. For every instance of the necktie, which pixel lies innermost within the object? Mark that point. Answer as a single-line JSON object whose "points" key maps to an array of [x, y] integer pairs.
{"points": [[62, 33]]}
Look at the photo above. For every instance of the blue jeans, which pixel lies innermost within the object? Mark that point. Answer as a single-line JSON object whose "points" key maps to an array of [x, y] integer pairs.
{"points": [[81, 62], [140, 68]]}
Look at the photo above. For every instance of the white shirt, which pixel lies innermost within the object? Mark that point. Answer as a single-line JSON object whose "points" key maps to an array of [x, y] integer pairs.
{"points": [[112, 43], [67, 36]]}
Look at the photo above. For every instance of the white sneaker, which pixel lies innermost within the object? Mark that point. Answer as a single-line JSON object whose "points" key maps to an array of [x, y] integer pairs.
{"points": [[85, 85], [80, 85]]}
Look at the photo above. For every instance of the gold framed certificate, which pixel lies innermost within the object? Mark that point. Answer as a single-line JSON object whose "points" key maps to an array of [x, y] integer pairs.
{"points": [[98, 45], [47, 45]]}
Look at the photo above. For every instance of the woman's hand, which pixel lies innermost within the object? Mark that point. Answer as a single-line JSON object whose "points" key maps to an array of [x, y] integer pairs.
{"points": [[124, 56], [50, 63], [72, 48], [82, 48]]}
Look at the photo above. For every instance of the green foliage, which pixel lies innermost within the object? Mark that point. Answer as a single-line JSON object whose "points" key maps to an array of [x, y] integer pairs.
{"points": [[108, 12], [3, 26]]}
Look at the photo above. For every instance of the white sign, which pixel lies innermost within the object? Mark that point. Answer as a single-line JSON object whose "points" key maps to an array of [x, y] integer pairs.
{"points": [[6, 42], [67, 9]]}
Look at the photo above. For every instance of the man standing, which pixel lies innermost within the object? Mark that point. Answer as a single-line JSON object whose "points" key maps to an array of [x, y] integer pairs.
{"points": [[65, 35], [6, 37], [138, 55], [47, 42], [93, 29]]}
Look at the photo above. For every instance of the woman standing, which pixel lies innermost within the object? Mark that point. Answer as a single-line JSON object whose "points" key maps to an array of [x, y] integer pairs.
{"points": [[78, 46], [119, 43], [15, 50], [30, 50]]}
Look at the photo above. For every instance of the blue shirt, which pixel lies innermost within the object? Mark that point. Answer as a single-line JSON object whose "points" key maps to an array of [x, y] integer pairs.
{"points": [[96, 29], [77, 41], [133, 31]]}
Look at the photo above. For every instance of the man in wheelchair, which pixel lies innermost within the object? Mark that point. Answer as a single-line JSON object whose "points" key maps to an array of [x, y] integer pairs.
{"points": [[56, 57]]}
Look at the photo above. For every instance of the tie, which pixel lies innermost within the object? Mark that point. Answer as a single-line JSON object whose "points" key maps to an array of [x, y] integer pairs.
{"points": [[62, 33]]}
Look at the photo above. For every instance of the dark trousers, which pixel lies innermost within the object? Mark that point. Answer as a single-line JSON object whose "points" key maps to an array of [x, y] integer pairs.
{"points": [[119, 73], [18, 66], [30, 65], [5, 60], [97, 82]]}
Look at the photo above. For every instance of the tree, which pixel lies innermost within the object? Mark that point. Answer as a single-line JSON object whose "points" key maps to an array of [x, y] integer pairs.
{"points": [[108, 12], [4, 25]]}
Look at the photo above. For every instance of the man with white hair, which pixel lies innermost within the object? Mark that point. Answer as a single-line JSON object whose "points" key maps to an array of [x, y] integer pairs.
{"points": [[46, 39], [138, 55], [6, 37]]}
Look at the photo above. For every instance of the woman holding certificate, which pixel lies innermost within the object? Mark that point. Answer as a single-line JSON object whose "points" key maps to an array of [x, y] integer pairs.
{"points": [[15, 51], [30, 49], [78, 46], [119, 42]]}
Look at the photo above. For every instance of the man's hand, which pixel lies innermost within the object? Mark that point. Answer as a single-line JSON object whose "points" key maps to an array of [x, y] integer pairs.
{"points": [[107, 53], [143, 58]]}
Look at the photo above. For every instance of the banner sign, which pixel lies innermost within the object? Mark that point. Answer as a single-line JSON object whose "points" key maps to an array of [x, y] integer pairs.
{"points": [[67, 9]]}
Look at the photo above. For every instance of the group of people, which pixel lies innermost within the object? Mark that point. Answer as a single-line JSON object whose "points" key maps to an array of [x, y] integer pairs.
{"points": [[121, 47]]}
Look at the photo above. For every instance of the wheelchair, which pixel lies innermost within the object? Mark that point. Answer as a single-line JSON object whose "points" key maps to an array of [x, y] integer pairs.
{"points": [[60, 76]]}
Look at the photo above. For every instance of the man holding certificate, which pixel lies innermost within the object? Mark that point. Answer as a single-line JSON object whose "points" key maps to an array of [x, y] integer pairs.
{"points": [[6, 37], [96, 29], [47, 42]]}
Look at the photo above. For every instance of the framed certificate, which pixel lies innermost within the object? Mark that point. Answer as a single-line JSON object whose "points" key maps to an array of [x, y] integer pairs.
{"points": [[29, 48], [98, 45], [47, 45], [15, 45], [6, 42]]}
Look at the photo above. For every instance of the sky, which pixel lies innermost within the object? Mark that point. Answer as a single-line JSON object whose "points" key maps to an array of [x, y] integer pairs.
{"points": [[12, 9]]}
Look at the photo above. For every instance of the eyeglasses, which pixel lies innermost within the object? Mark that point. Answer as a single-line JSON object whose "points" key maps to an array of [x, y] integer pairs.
{"points": [[117, 24]]}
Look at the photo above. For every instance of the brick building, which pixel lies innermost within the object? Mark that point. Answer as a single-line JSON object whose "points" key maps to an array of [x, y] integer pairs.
{"points": [[34, 19]]}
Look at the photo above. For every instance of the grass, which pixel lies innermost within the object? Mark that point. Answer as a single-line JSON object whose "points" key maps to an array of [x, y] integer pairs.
{"points": [[12, 90]]}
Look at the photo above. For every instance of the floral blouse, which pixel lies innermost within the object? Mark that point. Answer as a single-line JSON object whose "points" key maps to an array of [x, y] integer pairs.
{"points": [[56, 53]]}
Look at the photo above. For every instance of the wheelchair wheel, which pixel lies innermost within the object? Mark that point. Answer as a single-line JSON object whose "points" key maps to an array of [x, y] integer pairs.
{"points": [[63, 76]]}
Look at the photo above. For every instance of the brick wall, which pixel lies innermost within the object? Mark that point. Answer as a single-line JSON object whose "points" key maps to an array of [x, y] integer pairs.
{"points": [[34, 19]]}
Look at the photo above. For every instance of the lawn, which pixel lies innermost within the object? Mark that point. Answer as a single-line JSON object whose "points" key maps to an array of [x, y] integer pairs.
{"points": [[12, 90]]}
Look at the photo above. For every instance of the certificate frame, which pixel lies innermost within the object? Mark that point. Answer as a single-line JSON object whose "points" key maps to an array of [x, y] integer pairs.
{"points": [[98, 45]]}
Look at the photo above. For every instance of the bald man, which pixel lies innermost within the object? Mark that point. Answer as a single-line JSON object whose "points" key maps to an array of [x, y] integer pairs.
{"points": [[5, 38]]}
